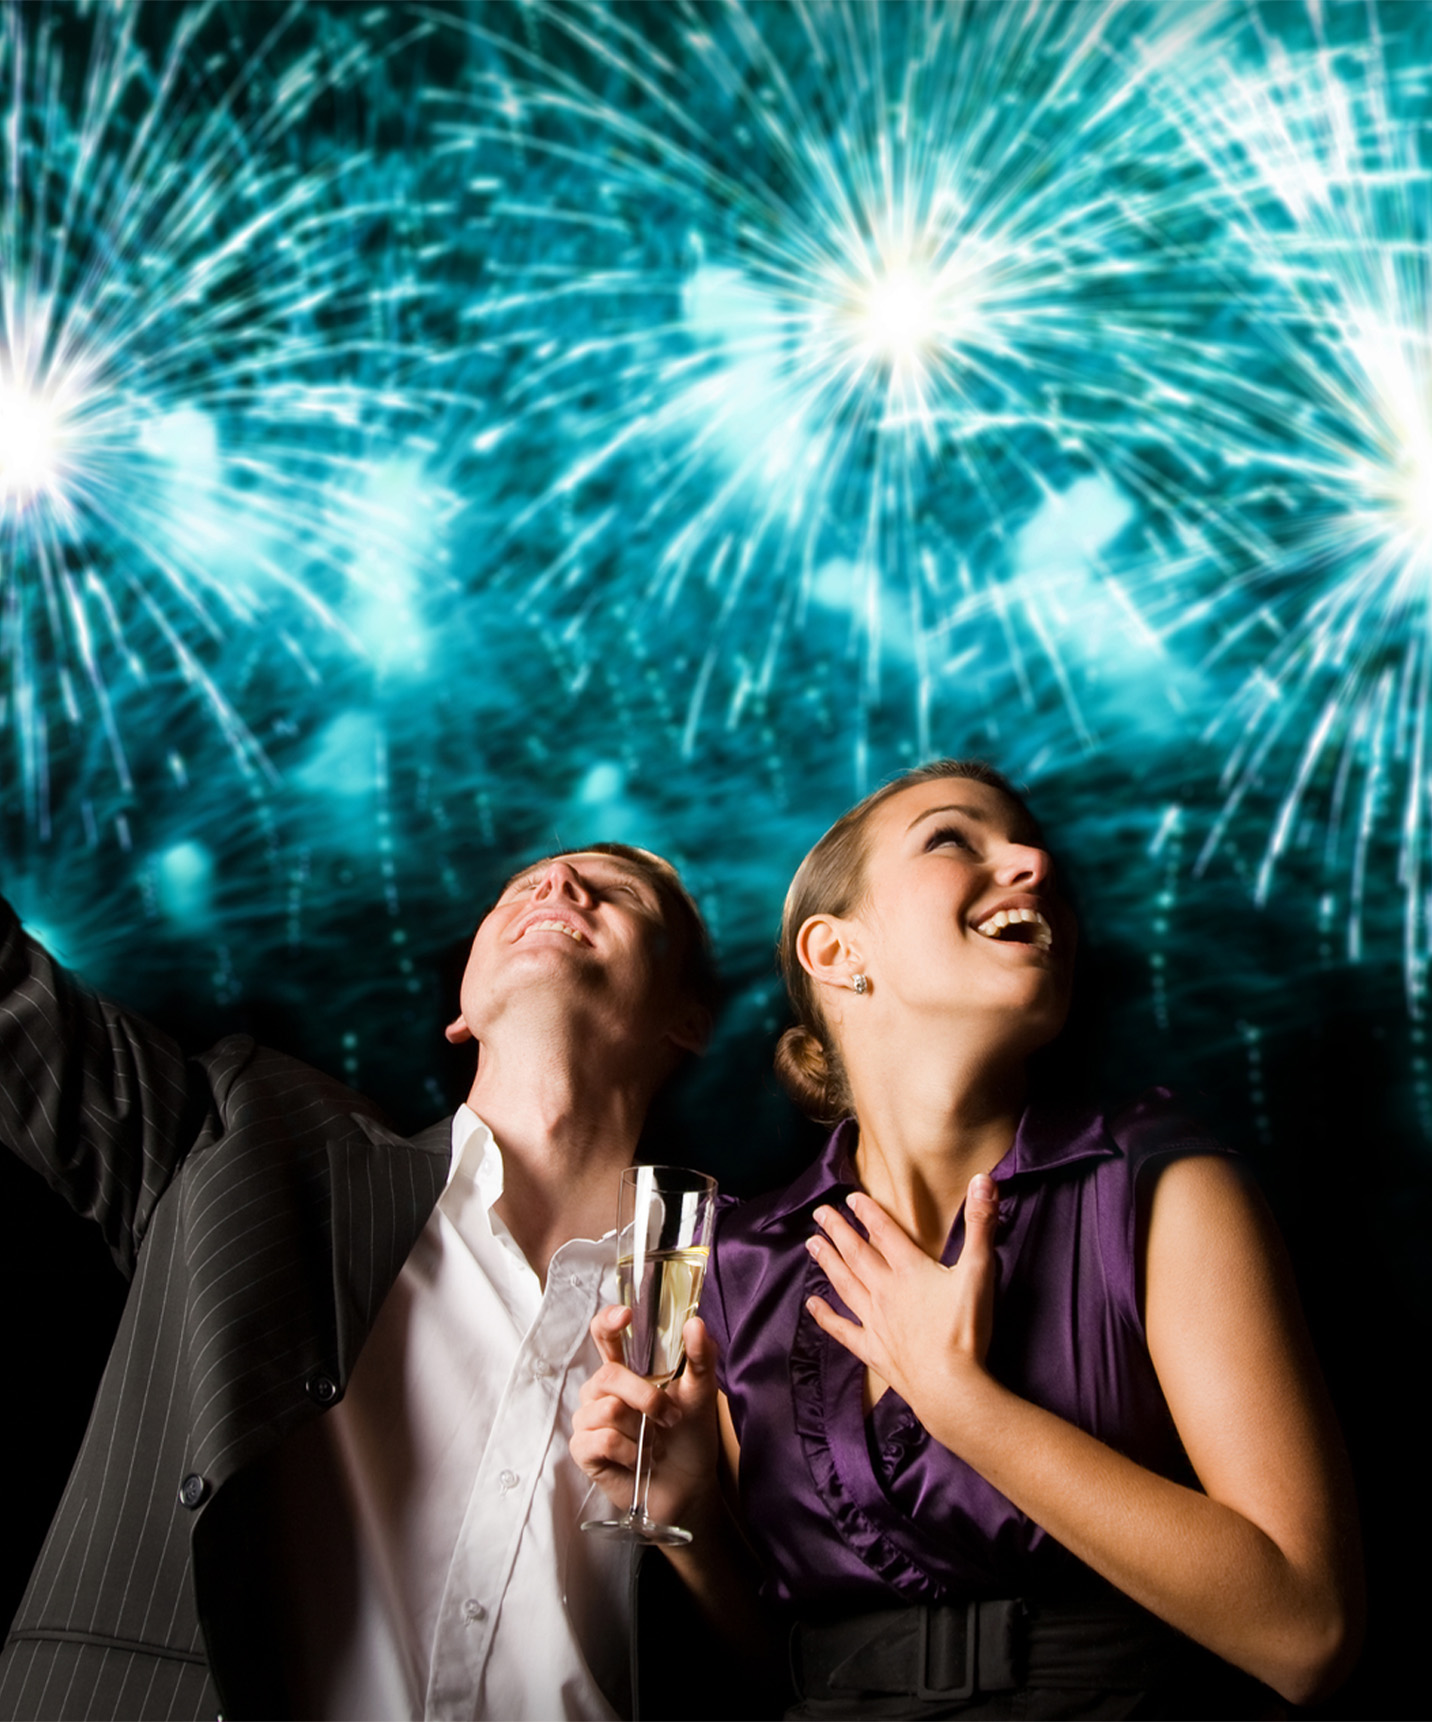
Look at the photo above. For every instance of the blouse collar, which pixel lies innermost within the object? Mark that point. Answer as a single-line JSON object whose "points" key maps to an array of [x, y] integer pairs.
{"points": [[1048, 1138]]}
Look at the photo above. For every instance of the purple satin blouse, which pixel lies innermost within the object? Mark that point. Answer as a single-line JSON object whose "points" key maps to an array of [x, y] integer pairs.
{"points": [[856, 1512]]}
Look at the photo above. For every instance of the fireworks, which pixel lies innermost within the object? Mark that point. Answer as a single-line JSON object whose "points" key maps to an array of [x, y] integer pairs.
{"points": [[196, 361], [427, 435], [1316, 160], [799, 315]]}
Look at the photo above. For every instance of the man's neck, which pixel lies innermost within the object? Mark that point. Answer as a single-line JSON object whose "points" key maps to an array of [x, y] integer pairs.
{"points": [[565, 1135]]}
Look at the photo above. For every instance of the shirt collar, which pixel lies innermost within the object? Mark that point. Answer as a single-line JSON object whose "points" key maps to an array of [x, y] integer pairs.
{"points": [[1047, 1139], [476, 1156], [477, 1161]]}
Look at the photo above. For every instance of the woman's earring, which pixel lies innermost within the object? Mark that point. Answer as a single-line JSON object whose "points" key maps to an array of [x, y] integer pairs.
{"points": [[860, 984]]}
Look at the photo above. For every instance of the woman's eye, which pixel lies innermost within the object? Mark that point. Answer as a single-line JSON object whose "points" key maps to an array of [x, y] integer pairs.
{"points": [[948, 834]]}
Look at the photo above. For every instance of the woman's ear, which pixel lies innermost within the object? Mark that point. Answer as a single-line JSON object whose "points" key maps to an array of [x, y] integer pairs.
{"points": [[824, 948]]}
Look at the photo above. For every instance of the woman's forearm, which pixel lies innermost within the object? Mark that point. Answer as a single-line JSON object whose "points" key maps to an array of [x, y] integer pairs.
{"points": [[722, 1577], [1198, 1564]]}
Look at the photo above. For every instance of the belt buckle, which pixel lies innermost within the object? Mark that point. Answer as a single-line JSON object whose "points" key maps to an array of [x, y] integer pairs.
{"points": [[971, 1635]]}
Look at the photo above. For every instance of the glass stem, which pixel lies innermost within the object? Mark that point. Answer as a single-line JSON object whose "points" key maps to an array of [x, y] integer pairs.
{"points": [[641, 1480]]}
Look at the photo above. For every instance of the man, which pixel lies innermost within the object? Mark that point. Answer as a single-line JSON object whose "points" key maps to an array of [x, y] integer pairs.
{"points": [[327, 1474]]}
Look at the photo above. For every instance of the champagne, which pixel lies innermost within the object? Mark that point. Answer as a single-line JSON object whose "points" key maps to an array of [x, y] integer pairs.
{"points": [[661, 1290], [665, 1216]]}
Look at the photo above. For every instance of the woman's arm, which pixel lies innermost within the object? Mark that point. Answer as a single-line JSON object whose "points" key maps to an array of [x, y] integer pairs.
{"points": [[1264, 1568]]}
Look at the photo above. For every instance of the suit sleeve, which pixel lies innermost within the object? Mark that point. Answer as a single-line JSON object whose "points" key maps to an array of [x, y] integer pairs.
{"points": [[102, 1105]]}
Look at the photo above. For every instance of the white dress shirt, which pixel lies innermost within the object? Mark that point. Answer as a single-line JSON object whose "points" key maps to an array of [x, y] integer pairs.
{"points": [[473, 1592]]}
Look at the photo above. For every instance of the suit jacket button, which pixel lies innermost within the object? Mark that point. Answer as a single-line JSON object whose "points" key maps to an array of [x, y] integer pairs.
{"points": [[322, 1389], [192, 1490]]}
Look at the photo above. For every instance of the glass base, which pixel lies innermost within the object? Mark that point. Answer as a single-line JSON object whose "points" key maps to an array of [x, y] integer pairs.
{"points": [[637, 1528]]}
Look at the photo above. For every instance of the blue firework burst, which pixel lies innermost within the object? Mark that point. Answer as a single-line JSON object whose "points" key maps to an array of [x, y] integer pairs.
{"points": [[799, 316], [200, 349], [1315, 148]]}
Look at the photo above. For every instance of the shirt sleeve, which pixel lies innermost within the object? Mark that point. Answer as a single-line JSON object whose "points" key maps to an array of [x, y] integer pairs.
{"points": [[712, 1308]]}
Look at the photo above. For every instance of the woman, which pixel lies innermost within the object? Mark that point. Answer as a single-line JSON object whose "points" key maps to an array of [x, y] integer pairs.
{"points": [[1008, 1393]]}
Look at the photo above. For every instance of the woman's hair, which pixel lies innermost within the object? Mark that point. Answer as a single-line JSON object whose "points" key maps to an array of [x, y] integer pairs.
{"points": [[831, 881]]}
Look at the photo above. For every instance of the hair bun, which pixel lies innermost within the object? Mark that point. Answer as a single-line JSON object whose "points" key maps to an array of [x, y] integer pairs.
{"points": [[804, 1070]]}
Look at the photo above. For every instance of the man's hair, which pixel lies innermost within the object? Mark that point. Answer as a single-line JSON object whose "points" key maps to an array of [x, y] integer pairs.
{"points": [[696, 974]]}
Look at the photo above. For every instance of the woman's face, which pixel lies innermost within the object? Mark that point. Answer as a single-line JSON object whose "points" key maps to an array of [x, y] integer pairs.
{"points": [[961, 914]]}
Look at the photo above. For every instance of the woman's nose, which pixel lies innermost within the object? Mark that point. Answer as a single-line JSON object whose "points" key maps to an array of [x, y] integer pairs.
{"points": [[1024, 864]]}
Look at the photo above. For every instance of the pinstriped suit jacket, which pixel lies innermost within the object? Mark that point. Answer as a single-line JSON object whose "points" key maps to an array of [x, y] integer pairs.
{"points": [[261, 1212]]}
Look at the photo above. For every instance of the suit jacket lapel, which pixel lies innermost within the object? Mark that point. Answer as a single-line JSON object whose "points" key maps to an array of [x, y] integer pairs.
{"points": [[384, 1187]]}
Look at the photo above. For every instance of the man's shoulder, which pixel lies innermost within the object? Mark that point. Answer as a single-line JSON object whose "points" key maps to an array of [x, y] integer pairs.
{"points": [[255, 1085]]}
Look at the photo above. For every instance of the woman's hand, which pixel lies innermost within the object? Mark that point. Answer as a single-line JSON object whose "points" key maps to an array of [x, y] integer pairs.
{"points": [[915, 1316], [681, 1424]]}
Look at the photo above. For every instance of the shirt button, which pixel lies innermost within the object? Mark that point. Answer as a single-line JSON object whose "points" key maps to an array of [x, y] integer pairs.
{"points": [[473, 1611], [575, 1281], [508, 1480], [541, 1368]]}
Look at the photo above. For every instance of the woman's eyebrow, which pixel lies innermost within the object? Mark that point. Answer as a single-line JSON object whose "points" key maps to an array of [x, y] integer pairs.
{"points": [[950, 807]]}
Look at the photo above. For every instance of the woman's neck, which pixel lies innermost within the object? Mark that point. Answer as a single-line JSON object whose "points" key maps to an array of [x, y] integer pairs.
{"points": [[927, 1128]]}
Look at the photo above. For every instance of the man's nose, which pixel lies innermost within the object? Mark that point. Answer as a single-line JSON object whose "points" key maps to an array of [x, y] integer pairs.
{"points": [[561, 880]]}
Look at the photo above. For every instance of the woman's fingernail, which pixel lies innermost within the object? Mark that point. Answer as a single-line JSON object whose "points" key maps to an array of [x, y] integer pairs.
{"points": [[813, 1245]]}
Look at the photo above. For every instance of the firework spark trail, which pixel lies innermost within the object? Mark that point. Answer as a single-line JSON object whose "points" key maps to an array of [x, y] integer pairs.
{"points": [[1316, 158], [818, 305], [194, 362]]}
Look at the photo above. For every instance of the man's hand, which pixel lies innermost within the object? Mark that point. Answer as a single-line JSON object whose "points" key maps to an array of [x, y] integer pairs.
{"points": [[916, 1319], [681, 1426]]}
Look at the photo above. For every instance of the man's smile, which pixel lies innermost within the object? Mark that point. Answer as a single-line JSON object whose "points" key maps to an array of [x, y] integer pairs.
{"points": [[554, 924]]}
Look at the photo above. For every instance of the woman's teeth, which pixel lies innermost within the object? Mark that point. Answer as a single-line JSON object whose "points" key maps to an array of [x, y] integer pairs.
{"points": [[994, 927]]}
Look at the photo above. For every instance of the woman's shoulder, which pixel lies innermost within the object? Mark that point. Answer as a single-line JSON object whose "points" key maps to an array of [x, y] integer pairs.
{"points": [[1062, 1142], [1159, 1126]]}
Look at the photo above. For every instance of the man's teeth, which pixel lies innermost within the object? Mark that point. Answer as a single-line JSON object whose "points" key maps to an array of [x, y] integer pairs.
{"points": [[1002, 918], [558, 927]]}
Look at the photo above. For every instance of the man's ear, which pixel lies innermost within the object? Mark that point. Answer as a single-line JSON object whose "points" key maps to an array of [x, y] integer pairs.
{"points": [[457, 1031], [691, 1027], [825, 951]]}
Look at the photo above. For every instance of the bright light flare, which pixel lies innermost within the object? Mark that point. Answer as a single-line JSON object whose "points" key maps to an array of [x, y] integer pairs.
{"points": [[32, 444], [896, 316]]}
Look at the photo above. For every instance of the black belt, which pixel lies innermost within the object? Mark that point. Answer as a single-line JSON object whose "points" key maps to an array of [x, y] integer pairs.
{"points": [[954, 1650]]}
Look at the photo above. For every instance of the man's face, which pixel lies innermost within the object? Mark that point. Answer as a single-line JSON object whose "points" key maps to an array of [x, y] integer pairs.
{"points": [[588, 932]]}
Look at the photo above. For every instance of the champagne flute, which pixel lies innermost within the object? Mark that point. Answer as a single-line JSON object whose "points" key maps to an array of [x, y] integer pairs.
{"points": [[664, 1220]]}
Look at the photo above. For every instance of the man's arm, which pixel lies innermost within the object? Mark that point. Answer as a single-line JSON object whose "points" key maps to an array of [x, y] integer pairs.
{"points": [[102, 1105]]}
